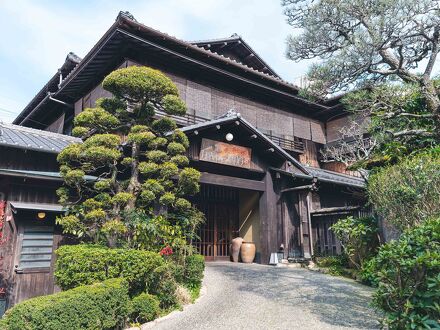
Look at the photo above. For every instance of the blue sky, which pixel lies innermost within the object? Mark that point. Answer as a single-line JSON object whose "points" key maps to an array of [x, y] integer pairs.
{"points": [[36, 35]]}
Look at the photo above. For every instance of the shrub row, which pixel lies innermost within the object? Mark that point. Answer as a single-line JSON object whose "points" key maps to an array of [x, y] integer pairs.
{"points": [[86, 264], [144, 271], [103, 305]]}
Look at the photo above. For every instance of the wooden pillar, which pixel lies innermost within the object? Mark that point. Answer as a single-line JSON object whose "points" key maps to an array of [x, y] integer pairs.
{"points": [[304, 205], [268, 219]]}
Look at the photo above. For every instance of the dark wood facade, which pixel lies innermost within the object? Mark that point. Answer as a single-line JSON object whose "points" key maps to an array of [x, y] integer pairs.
{"points": [[28, 242]]}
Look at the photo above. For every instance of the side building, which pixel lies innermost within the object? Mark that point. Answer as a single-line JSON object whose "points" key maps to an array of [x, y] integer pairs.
{"points": [[29, 177], [275, 191]]}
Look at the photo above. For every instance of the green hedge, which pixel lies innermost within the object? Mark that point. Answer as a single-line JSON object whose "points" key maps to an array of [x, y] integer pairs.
{"points": [[86, 264], [194, 267], [98, 306]]}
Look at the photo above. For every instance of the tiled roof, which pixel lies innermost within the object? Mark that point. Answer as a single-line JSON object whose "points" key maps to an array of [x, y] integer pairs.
{"points": [[33, 139], [239, 43], [330, 176]]}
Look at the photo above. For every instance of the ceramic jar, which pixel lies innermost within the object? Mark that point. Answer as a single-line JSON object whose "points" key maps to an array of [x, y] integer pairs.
{"points": [[247, 252], [235, 248]]}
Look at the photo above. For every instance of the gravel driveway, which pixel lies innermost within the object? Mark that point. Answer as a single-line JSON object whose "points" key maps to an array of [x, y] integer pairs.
{"points": [[240, 296]]}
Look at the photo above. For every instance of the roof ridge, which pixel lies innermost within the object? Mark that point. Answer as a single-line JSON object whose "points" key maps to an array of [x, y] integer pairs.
{"points": [[203, 41], [39, 132], [195, 47], [235, 37]]}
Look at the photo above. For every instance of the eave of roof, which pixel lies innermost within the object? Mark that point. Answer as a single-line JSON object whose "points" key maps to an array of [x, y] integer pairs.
{"points": [[335, 177], [37, 207], [43, 175], [51, 86], [232, 117], [326, 177]]}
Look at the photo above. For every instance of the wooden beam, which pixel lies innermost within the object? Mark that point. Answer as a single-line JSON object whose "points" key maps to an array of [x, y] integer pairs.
{"points": [[335, 209], [309, 186], [229, 181]]}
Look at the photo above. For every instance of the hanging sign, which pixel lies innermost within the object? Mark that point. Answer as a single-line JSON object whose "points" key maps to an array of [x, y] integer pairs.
{"points": [[225, 153]]}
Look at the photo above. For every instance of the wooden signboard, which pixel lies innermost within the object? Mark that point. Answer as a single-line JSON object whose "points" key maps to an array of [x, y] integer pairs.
{"points": [[224, 153]]}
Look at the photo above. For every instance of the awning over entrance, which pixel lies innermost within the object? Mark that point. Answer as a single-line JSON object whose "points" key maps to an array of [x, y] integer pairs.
{"points": [[233, 117], [37, 206]]}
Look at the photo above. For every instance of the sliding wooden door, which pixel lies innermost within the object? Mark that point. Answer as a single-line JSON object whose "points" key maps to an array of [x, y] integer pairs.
{"points": [[220, 206]]}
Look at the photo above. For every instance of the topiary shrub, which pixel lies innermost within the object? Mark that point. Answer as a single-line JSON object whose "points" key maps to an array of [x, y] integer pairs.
{"points": [[86, 264], [194, 267], [98, 306], [144, 308], [408, 275]]}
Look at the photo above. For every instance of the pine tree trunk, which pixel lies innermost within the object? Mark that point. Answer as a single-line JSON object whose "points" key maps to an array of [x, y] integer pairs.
{"points": [[134, 184], [432, 100]]}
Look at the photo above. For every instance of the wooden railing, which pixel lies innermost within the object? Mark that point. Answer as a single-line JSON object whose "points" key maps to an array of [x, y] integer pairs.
{"points": [[290, 143]]}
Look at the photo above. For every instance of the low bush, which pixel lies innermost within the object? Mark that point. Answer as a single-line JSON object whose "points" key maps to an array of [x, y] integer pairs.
{"points": [[408, 275], [86, 264], [165, 287], [144, 308], [335, 265], [359, 237], [368, 273], [194, 267], [98, 306]]}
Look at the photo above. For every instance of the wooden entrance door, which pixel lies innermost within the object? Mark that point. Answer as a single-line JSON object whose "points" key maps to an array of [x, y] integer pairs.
{"points": [[34, 259], [220, 206]]}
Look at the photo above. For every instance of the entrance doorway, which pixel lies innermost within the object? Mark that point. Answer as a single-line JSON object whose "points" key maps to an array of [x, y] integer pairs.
{"points": [[220, 206], [34, 256]]}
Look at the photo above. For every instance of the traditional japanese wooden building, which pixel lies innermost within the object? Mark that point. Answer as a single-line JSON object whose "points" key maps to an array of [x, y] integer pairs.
{"points": [[255, 140]]}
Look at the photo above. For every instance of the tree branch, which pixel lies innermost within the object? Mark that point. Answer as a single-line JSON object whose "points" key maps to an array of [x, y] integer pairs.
{"points": [[411, 132]]}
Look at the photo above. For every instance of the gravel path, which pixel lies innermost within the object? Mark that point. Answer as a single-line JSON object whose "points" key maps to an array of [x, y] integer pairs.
{"points": [[240, 296]]}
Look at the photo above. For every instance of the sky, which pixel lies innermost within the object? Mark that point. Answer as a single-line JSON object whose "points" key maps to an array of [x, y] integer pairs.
{"points": [[36, 35]]}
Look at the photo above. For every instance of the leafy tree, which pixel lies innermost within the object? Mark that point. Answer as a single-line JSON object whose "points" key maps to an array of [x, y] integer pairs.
{"points": [[394, 110], [361, 43], [408, 193], [137, 161]]}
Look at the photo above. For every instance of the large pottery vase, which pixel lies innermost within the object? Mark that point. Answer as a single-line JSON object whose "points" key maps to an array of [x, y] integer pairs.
{"points": [[247, 252], [235, 248]]}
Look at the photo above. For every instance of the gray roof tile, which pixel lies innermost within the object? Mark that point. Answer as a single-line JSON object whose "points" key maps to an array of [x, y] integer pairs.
{"points": [[33, 139], [322, 174]]}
